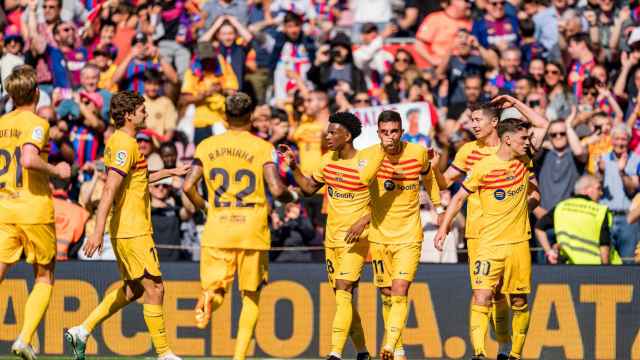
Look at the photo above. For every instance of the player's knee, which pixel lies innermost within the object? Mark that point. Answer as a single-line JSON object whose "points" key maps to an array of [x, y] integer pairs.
{"points": [[45, 273], [344, 285], [482, 298], [518, 301], [400, 287]]}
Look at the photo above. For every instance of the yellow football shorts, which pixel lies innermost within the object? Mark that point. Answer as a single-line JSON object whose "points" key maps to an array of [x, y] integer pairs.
{"points": [[346, 263], [136, 256], [472, 253], [394, 261], [218, 267], [38, 241], [509, 264]]}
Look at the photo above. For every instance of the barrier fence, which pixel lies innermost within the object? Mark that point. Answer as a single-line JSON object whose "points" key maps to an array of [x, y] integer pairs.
{"points": [[586, 312]]}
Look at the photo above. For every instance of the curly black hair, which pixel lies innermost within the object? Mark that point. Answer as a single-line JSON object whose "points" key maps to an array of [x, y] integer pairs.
{"points": [[349, 121]]}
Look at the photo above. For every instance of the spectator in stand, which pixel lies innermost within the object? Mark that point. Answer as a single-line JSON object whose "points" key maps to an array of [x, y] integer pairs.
{"points": [[414, 12], [510, 70], [395, 86], [369, 11], [536, 71], [213, 9], [231, 40], [561, 99], [547, 28], [167, 214], [60, 148], [438, 30], [41, 19], [560, 164], [142, 57], [291, 51], [162, 116], [523, 88], [261, 122], [372, 59], [70, 219], [173, 44], [103, 58], [620, 169], [104, 39], [12, 55], [147, 148], [530, 47], [329, 70], [598, 142], [583, 62], [495, 28], [293, 229]]}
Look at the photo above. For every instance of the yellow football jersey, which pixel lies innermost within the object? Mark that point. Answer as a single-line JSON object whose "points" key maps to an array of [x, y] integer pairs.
{"points": [[502, 187], [395, 203], [348, 196], [25, 197], [308, 137], [468, 155], [131, 212], [233, 166]]}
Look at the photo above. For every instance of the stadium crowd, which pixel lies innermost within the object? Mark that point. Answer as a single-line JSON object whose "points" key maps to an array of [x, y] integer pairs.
{"points": [[574, 61]]}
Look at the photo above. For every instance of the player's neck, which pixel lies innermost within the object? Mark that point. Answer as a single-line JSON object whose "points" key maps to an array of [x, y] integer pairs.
{"points": [[491, 140], [129, 129], [29, 107], [347, 152], [505, 153], [240, 128]]}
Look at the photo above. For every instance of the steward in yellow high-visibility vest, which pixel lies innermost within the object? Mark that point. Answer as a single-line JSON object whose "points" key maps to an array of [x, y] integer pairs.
{"points": [[581, 227]]}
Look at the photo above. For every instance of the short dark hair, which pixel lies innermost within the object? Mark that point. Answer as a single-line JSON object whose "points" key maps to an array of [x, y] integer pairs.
{"points": [[168, 145], [581, 38], [290, 16], [59, 184], [277, 113], [527, 27], [512, 125], [123, 103], [349, 121], [153, 76], [389, 116], [528, 78], [238, 108], [488, 108]]}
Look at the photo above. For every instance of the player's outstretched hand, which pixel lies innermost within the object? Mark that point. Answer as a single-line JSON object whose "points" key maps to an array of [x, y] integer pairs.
{"points": [[353, 235], [63, 170], [438, 240], [181, 170], [92, 245], [288, 155]]}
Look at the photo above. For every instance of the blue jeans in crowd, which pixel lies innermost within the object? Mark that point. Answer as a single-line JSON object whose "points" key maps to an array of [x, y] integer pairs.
{"points": [[624, 237]]}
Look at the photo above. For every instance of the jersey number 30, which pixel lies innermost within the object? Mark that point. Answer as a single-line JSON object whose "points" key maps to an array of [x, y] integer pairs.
{"points": [[224, 186], [5, 161]]}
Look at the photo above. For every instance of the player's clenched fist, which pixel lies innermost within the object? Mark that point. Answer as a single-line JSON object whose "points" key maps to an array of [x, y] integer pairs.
{"points": [[288, 155], [63, 170]]}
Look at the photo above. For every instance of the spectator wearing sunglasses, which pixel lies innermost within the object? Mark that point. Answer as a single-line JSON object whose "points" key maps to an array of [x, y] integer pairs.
{"points": [[496, 28], [372, 59]]}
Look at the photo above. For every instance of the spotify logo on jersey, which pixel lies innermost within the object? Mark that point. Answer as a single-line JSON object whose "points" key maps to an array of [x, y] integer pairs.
{"points": [[330, 190], [499, 194], [389, 185]]}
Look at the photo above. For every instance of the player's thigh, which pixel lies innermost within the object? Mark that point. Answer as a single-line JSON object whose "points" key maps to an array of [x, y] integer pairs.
{"points": [[11, 243], [472, 254], [404, 261], [381, 263], [136, 257], [350, 266], [253, 269], [517, 273], [488, 268], [217, 267], [332, 257], [40, 244]]}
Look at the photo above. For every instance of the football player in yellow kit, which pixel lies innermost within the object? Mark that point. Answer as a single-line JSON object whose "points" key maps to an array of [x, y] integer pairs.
{"points": [[26, 206], [506, 194], [484, 119], [395, 233], [346, 176], [235, 166], [126, 192]]}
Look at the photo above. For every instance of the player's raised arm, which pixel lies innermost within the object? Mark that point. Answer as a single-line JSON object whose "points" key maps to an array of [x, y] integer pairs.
{"points": [[307, 184], [165, 173], [31, 160], [539, 123], [276, 187], [191, 184], [452, 210], [111, 188]]}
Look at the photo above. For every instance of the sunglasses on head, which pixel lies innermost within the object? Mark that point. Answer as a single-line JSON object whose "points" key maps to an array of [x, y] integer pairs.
{"points": [[558, 134]]}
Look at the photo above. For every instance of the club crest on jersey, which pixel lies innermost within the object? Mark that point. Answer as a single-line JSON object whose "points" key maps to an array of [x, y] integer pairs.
{"points": [[499, 194], [121, 157], [389, 185], [38, 133]]}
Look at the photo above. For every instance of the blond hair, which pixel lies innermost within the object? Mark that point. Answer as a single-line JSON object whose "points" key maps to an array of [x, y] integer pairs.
{"points": [[22, 85]]}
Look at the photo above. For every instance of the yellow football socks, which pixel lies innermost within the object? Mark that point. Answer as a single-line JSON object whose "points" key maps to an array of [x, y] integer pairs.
{"points": [[478, 325], [386, 309], [111, 304], [500, 320], [154, 318], [357, 332], [36, 306], [247, 323], [397, 320], [519, 327], [341, 322]]}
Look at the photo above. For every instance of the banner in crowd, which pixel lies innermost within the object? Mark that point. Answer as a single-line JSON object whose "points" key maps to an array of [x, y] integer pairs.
{"points": [[576, 313], [417, 120]]}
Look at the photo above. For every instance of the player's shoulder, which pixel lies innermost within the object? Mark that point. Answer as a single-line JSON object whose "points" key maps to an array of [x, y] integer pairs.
{"points": [[122, 141], [370, 150], [487, 163], [468, 147]]}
